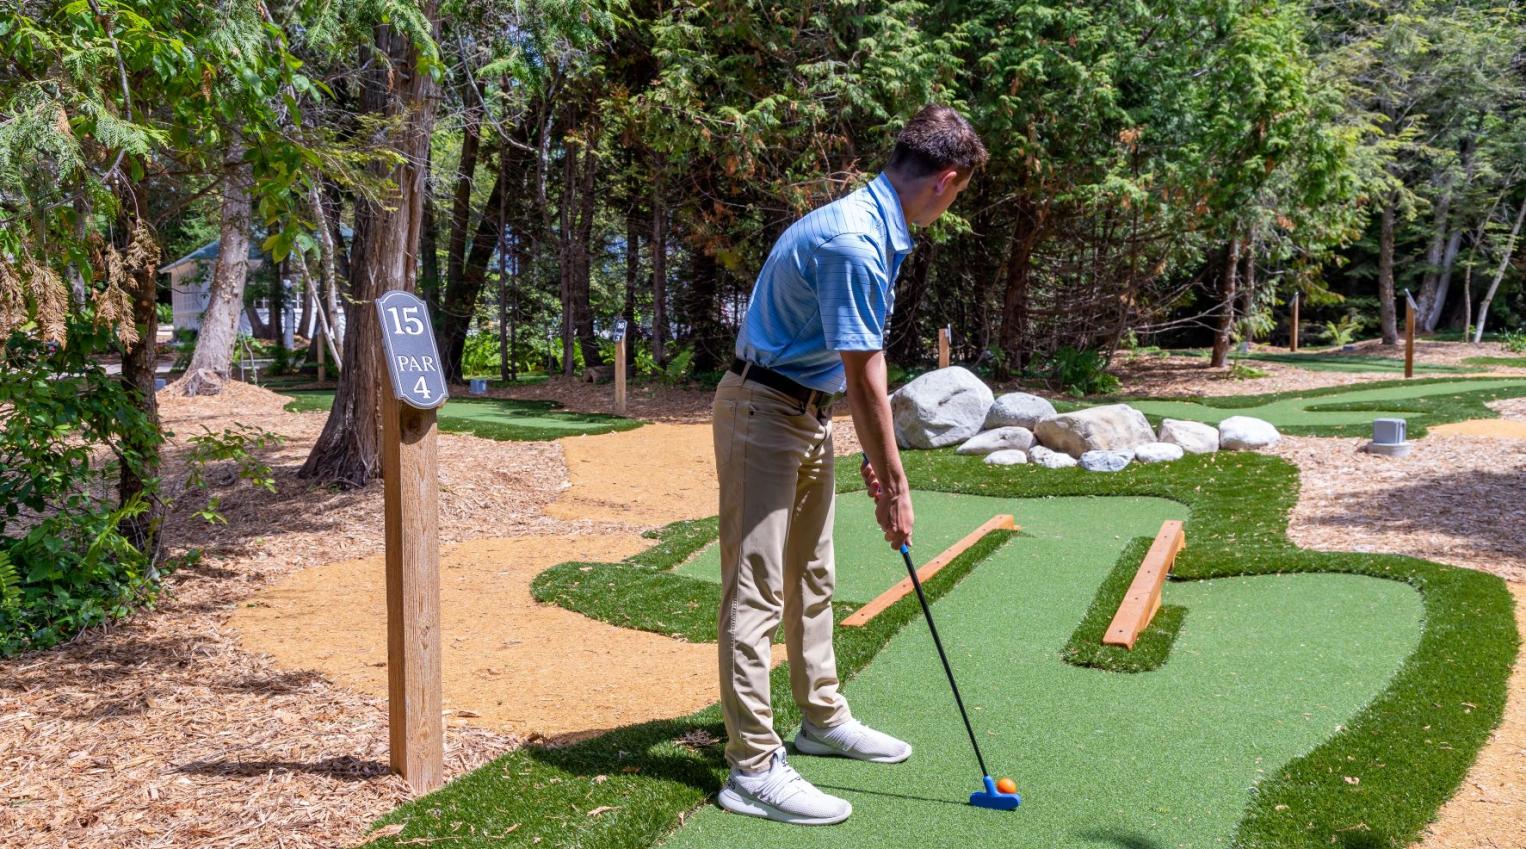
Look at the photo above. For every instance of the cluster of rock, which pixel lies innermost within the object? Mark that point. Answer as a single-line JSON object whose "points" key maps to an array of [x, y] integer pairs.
{"points": [[952, 406]]}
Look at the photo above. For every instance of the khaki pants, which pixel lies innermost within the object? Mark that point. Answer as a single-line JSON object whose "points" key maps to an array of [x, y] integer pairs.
{"points": [[775, 466]]}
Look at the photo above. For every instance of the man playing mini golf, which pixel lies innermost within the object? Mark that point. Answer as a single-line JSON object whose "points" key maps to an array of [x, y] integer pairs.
{"points": [[814, 328]]}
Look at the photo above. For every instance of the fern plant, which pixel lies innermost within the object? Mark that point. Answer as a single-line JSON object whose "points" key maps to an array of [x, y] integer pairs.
{"points": [[10, 585]]}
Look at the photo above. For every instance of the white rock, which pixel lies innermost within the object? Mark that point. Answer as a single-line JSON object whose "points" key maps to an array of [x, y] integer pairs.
{"points": [[1019, 409], [1006, 457], [940, 408], [1000, 439], [1106, 461], [1158, 452], [1244, 433], [1193, 437], [1041, 456], [1113, 427]]}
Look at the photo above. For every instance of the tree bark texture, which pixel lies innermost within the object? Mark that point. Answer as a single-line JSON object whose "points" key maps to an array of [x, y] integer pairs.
{"points": [[659, 245], [1499, 274], [384, 257], [467, 276], [1387, 315], [225, 302], [1228, 283], [1026, 232], [139, 364]]}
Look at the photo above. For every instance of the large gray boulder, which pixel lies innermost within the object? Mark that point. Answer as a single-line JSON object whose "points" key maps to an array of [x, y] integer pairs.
{"points": [[1245, 433], [1006, 457], [1000, 439], [1106, 461], [1041, 456], [1114, 427], [1019, 409], [1158, 452], [1193, 437], [940, 408]]}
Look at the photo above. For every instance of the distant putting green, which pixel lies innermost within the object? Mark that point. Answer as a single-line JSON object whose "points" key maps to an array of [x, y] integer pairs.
{"points": [[867, 566], [1348, 410], [495, 418], [1333, 360]]}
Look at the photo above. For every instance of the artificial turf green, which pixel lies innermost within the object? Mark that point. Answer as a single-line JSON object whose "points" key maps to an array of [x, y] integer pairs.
{"points": [[867, 566], [495, 418], [1408, 748], [1333, 360], [1154, 643], [1493, 362], [1348, 410]]}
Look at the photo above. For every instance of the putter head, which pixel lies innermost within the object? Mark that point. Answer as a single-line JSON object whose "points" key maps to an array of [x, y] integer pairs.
{"points": [[995, 799]]}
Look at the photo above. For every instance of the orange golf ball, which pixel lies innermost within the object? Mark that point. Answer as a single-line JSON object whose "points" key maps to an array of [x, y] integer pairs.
{"points": [[1006, 785]]}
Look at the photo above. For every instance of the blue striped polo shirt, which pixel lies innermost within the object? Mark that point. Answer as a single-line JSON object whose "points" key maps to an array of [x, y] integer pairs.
{"points": [[828, 286]]}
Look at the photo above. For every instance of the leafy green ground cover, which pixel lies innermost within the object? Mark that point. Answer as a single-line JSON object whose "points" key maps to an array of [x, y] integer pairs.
{"points": [[1409, 686], [495, 418], [1349, 410]]}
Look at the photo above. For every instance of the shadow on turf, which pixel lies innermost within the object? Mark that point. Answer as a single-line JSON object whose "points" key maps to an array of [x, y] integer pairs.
{"points": [[1124, 840]]}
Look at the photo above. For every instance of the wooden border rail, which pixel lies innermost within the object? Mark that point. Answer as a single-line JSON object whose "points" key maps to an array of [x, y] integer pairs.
{"points": [[1143, 598], [874, 608]]}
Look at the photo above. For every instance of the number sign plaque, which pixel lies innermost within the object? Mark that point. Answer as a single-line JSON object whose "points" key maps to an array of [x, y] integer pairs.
{"points": [[617, 330], [413, 360]]}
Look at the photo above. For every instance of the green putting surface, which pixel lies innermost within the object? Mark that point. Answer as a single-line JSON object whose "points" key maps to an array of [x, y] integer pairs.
{"points": [[1265, 669], [1336, 361], [495, 418], [867, 566], [1317, 410]]}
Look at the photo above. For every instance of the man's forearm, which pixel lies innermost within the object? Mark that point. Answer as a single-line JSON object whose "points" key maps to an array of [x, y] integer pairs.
{"points": [[868, 386]]}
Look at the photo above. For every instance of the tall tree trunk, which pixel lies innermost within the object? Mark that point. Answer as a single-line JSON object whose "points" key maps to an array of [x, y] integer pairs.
{"points": [[1027, 226], [430, 283], [219, 323], [659, 245], [1228, 280], [700, 312], [1387, 314], [1433, 257], [582, 261], [385, 257], [139, 366], [564, 257], [1444, 283], [461, 201], [1499, 274], [277, 298], [632, 268], [470, 275]]}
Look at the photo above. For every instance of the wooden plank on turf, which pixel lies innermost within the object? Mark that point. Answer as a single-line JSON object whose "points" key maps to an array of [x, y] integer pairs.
{"points": [[1142, 600], [864, 614]]}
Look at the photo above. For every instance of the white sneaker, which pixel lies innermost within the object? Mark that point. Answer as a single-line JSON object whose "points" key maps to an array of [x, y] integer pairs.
{"points": [[781, 794], [851, 739]]}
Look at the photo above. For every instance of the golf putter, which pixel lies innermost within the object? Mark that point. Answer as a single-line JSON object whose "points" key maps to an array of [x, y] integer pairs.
{"points": [[989, 797]]}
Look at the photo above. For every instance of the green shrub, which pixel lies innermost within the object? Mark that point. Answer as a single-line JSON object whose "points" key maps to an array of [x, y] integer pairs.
{"points": [[1514, 341], [66, 429], [1081, 372], [1344, 331]]}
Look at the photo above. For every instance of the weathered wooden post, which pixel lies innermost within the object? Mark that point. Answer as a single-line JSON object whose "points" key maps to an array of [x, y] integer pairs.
{"points": [[945, 340], [411, 490], [1294, 346], [1409, 334], [617, 333]]}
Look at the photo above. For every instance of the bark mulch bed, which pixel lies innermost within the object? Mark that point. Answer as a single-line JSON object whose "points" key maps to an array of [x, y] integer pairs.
{"points": [[162, 731]]}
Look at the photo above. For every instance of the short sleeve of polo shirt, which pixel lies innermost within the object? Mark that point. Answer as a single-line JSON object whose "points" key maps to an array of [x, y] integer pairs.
{"points": [[853, 292]]}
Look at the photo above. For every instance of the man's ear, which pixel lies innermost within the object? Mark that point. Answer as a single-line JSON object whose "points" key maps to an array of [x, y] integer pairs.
{"points": [[948, 178]]}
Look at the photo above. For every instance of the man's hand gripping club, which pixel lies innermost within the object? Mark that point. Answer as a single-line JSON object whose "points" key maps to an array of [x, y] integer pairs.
{"points": [[869, 399]]}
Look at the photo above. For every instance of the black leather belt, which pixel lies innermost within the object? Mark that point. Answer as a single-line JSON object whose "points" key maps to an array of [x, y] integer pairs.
{"points": [[822, 401]]}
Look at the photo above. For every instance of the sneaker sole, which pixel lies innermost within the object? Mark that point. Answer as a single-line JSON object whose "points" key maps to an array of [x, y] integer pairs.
{"points": [[809, 746], [739, 804]]}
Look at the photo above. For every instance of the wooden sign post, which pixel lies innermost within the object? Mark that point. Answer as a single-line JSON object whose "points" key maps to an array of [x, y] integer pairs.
{"points": [[1294, 346], [411, 490], [945, 339], [1409, 334], [617, 333]]}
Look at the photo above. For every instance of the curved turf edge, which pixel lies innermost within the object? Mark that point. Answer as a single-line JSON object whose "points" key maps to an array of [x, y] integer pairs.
{"points": [[1408, 750]]}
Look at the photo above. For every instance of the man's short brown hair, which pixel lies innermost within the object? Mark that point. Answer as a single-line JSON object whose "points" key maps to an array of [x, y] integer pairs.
{"points": [[936, 138]]}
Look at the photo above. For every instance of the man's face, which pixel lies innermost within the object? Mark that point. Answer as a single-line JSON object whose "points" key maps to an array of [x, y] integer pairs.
{"points": [[945, 188]]}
